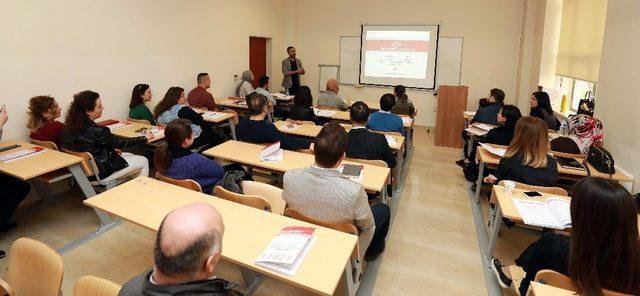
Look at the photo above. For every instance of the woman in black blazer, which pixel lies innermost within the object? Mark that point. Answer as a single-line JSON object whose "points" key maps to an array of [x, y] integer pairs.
{"points": [[541, 108], [527, 160], [302, 108], [503, 134]]}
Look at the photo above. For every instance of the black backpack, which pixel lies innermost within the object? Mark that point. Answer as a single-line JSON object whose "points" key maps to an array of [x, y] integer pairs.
{"points": [[232, 181], [601, 160]]}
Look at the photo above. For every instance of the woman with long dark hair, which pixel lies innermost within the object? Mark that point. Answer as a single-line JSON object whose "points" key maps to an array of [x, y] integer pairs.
{"points": [[302, 108], [541, 108], [43, 112], [138, 109], [603, 251], [173, 106], [82, 134], [403, 105]]}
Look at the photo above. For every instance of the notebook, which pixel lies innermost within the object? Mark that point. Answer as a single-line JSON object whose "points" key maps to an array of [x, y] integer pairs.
{"points": [[550, 213], [570, 163], [494, 150], [352, 171], [287, 250], [22, 153], [272, 153]]}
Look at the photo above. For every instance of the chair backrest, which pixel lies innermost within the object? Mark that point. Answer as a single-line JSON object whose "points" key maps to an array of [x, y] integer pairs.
{"points": [[88, 163], [271, 193], [95, 286], [556, 279], [549, 190], [343, 227], [45, 144], [34, 269], [186, 183], [376, 162], [253, 201], [143, 121], [397, 134]]}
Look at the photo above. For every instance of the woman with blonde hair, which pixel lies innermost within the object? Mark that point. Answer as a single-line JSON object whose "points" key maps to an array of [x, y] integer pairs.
{"points": [[527, 160], [330, 97], [43, 112]]}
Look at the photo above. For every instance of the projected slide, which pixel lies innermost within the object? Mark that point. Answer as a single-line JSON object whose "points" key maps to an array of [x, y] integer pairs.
{"points": [[394, 55], [397, 54]]}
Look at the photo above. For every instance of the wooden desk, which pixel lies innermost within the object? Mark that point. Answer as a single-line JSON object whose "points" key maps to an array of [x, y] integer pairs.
{"points": [[33, 166], [233, 104], [227, 116], [374, 179], [247, 230], [539, 289], [506, 208], [129, 131], [485, 158]]}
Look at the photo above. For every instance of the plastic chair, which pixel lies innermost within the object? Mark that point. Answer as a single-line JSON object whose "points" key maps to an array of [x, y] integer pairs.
{"points": [[90, 168], [272, 194], [33, 269], [253, 201], [57, 175], [95, 286], [186, 183]]}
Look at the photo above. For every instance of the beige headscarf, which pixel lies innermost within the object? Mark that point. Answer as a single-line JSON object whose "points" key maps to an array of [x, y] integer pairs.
{"points": [[332, 85]]}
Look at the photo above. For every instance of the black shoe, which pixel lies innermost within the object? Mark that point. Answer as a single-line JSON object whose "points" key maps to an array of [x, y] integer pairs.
{"points": [[508, 222], [8, 226], [2, 254], [461, 163], [503, 279]]}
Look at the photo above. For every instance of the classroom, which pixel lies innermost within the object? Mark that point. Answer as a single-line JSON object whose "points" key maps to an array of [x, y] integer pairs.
{"points": [[336, 147]]}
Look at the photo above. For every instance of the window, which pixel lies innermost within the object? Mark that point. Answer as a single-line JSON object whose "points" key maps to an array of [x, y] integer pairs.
{"points": [[575, 90]]}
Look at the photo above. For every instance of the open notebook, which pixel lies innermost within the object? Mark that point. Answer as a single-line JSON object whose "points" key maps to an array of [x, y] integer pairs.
{"points": [[287, 250], [551, 213]]}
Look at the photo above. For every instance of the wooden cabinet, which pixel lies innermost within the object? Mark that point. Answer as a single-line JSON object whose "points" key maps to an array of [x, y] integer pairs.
{"points": [[452, 101]]}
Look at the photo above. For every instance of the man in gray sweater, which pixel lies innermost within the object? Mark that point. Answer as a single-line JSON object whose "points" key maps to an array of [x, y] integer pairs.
{"points": [[291, 70], [322, 192]]}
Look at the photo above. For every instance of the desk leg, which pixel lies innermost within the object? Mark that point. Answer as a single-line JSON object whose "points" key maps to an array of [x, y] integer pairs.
{"points": [[494, 231], [252, 280], [470, 144], [351, 283], [481, 166], [232, 126]]}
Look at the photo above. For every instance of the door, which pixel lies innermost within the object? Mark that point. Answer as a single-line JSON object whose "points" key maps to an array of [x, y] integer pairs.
{"points": [[257, 58]]}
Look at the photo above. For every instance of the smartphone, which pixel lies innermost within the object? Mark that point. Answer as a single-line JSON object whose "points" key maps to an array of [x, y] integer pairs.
{"points": [[532, 193], [351, 170]]}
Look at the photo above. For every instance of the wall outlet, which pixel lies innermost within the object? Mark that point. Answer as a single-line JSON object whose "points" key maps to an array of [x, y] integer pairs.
{"points": [[235, 77]]}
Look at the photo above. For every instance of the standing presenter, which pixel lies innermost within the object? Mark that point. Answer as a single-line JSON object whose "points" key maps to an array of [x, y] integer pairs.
{"points": [[291, 69]]}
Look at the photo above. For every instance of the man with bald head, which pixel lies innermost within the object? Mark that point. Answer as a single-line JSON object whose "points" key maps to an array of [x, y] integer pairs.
{"points": [[187, 250]]}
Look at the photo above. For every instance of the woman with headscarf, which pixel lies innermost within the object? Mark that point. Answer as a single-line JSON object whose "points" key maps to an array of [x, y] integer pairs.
{"points": [[330, 97], [245, 87]]}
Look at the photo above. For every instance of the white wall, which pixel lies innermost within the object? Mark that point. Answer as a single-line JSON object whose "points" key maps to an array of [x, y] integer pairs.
{"points": [[62, 47], [618, 104], [550, 41], [491, 31]]}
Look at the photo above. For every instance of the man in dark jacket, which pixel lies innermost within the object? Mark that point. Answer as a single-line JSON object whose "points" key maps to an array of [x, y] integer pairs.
{"points": [[363, 143], [187, 250]]}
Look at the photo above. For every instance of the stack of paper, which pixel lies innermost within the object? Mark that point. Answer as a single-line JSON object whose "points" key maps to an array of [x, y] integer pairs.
{"points": [[288, 127], [406, 120], [119, 125], [493, 150], [212, 115], [22, 153], [469, 113], [287, 250], [391, 140], [324, 113], [281, 96], [551, 213]]}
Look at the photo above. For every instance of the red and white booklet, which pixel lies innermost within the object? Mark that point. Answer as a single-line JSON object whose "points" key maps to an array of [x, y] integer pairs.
{"points": [[287, 250], [272, 153], [22, 153]]}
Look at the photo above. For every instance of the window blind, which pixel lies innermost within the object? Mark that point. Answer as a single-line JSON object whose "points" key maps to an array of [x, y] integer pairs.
{"points": [[581, 34]]}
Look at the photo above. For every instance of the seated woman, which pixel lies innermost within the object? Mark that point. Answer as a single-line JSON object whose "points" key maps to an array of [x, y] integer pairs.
{"points": [[255, 129], [176, 161], [43, 112], [330, 97], [82, 134], [138, 109], [541, 108], [527, 160], [403, 105], [603, 251], [302, 108], [173, 106], [245, 87]]}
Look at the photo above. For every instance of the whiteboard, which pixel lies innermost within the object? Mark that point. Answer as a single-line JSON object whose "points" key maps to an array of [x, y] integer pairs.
{"points": [[448, 68], [350, 59], [327, 72]]}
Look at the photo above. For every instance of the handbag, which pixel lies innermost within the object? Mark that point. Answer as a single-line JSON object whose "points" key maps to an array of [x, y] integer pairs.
{"points": [[587, 104], [565, 145], [601, 160], [232, 181]]}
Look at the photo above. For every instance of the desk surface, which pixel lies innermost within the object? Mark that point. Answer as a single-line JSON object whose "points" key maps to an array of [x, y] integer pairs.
{"points": [[505, 202], [407, 121], [35, 165], [539, 289], [311, 131], [374, 178], [488, 158], [129, 131], [247, 230], [468, 115], [231, 103]]}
